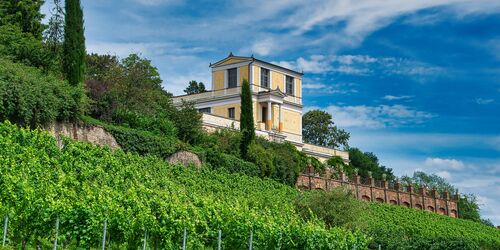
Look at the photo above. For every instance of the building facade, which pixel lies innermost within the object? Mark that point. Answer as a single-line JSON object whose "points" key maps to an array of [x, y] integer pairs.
{"points": [[277, 101]]}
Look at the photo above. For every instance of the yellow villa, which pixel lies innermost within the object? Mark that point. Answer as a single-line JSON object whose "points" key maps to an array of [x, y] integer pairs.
{"points": [[277, 102]]}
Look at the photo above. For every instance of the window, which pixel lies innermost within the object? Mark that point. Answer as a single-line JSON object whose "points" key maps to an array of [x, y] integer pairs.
{"points": [[232, 76], [290, 85], [230, 113], [205, 110], [264, 78]]}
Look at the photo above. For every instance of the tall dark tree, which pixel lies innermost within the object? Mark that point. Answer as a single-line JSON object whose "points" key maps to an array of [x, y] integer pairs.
{"points": [[194, 88], [74, 43], [319, 129], [54, 34], [24, 14], [247, 127]]}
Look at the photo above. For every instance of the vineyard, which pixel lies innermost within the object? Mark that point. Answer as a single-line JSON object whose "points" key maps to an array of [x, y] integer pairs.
{"points": [[402, 228], [84, 185]]}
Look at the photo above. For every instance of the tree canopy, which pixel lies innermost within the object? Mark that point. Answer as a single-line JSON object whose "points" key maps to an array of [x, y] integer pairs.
{"points": [[367, 162], [195, 87], [318, 128], [23, 13]]}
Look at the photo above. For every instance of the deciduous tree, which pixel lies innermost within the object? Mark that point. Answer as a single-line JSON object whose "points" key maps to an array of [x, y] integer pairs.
{"points": [[195, 88], [319, 129]]}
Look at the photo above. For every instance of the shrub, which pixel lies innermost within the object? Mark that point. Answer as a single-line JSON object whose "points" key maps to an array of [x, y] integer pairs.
{"points": [[217, 160], [24, 48], [187, 120], [30, 98], [337, 207], [141, 142], [158, 124]]}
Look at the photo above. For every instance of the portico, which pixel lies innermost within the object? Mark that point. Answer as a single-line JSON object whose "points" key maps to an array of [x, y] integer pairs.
{"points": [[267, 101]]}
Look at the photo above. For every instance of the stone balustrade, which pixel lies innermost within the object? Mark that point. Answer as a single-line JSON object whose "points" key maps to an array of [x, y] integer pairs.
{"points": [[380, 191]]}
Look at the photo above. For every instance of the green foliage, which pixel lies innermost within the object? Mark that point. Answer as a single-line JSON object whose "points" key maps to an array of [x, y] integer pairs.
{"points": [[431, 181], [401, 228], [24, 48], [368, 162], [159, 125], [262, 158], [25, 14], [319, 129], [195, 88], [337, 163], [54, 34], [337, 207], [468, 207], [247, 126], [187, 120], [141, 141], [232, 164], [31, 98], [74, 43], [279, 161], [83, 184], [467, 203], [131, 84], [288, 162]]}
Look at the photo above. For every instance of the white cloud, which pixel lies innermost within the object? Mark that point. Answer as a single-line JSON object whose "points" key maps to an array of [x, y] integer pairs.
{"points": [[377, 116], [444, 174], [482, 101], [263, 47], [440, 163], [361, 65], [360, 18], [401, 97], [321, 89], [313, 86]]}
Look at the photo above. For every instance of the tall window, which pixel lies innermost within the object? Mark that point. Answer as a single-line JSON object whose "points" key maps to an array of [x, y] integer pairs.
{"points": [[231, 113], [264, 78], [290, 86], [232, 76]]}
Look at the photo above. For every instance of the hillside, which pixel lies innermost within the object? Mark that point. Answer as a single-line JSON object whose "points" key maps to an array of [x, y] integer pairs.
{"points": [[85, 184]]}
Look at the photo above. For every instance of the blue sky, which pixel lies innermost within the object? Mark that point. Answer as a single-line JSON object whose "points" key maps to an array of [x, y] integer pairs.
{"points": [[415, 81]]}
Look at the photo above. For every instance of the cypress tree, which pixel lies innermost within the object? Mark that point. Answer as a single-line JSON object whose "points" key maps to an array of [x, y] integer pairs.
{"points": [[247, 127], [74, 43]]}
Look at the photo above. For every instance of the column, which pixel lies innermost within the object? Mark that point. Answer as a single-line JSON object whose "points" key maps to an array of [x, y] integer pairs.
{"points": [[280, 128], [269, 110]]}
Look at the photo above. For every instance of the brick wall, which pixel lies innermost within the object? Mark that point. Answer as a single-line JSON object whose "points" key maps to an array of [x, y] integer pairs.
{"points": [[371, 190]]}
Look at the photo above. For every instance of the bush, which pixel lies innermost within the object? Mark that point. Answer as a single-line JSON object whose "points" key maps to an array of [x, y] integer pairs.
{"points": [[217, 160], [187, 120], [159, 124], [30, 98], [337, 207], [141, 142], [24, 48], [288, 162]]}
